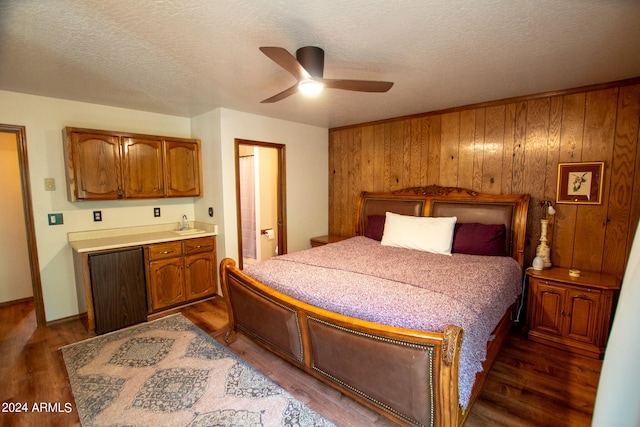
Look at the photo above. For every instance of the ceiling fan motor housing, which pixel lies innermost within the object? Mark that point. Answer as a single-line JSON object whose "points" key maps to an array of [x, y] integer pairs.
{"points": [[312, 59]]}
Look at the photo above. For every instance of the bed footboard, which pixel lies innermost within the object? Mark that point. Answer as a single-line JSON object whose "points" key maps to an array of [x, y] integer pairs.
{"points": [[410, 377]]}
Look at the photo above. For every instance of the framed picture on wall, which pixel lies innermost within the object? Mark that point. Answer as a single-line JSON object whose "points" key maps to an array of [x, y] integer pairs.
{"points": [[580, 183]]}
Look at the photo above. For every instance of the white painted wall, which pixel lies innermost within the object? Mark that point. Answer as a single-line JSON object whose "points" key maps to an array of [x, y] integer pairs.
{"points": [[15, 276], [618, 396], [206, 127], [44, 119]]}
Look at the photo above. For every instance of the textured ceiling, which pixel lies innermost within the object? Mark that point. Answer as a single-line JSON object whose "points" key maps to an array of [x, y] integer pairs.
{"points": [[187, 57]]}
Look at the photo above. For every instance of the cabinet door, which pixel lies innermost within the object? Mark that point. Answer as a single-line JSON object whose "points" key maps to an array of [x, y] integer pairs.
{"points": [[166, 282], [182, 162], [143, 168], [548, 307], [200, 275], [96, 166], [581, 314]]}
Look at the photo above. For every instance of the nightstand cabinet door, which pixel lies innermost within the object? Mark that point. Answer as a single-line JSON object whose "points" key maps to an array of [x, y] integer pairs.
{"points": [[581, 315], [549, 307]]}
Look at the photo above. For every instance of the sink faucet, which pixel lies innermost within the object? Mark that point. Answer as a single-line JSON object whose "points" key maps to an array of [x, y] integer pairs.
{"points": [[184, 225]]}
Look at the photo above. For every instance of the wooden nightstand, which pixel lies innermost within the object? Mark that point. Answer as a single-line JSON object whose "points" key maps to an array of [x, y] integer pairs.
{"points": [[323, 240], [573, 313]]}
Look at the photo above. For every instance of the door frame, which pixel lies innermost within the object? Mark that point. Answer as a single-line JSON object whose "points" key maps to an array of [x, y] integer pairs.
{"points": [[32, 247], [281, 192]]}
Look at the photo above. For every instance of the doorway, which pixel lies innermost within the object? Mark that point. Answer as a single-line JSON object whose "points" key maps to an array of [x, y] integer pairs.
{"points": [[260, 196], [16, 137]]}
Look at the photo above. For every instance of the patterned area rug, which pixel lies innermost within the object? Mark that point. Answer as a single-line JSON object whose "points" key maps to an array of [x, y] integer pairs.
{"points": [[171, 373]]}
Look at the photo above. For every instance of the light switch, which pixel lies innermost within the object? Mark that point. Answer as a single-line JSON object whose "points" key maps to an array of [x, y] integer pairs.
{"points": [[49, 184], [55, 219]]}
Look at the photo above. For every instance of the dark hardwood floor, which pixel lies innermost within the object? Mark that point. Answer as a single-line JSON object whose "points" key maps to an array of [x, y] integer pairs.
{"points": [[529, 385]]}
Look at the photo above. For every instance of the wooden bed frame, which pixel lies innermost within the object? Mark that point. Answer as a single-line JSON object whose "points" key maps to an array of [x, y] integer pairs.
{"points": [[409, 376]]}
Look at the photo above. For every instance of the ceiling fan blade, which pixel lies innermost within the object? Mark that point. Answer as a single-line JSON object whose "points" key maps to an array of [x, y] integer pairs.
{"points": [[357, 85], [282, 95], [287, 61]]}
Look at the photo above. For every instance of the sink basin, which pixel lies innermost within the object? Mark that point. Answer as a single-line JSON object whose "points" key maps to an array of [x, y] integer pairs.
{"points": [[187, 232]]}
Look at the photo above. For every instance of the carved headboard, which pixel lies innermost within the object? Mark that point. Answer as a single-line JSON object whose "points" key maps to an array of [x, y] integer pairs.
{"points": [[467, 205]]}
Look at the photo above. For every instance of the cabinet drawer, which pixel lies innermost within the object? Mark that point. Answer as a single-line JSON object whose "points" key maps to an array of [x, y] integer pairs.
{"points": [[202, 244], [165, 250]]}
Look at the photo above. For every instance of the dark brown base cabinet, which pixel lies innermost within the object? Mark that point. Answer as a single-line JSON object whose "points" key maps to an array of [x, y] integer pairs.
{"points": [[118, 288]]}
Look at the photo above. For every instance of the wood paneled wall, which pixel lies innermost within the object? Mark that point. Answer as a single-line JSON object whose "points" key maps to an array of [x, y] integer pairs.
{"points": [[511, 146]]}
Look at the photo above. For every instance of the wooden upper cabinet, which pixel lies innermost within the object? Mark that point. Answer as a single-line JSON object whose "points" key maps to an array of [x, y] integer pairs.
{"points": [[105, 165], [182, 160], [93, 166], [143, 168]]}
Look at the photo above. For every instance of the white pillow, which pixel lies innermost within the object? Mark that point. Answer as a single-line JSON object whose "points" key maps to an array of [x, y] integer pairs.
{"points": [[429, 234]]}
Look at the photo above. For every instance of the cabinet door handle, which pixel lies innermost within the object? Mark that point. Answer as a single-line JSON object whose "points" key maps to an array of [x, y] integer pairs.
{"points": [[166, 252]]}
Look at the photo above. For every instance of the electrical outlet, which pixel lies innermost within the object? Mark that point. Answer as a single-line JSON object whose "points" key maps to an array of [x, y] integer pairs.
{"points": [[97, 216], [211, 212], [55, 219], [156, 212]]}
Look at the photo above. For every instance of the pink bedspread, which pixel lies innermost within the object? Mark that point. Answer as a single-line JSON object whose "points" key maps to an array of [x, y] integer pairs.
{"points": [[405, 288]]}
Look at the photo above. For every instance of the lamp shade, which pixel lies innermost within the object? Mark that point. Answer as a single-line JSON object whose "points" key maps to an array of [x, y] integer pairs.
{"points": [[538, 264]]}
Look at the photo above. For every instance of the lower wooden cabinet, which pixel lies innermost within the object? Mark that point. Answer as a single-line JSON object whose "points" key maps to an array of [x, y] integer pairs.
{"points": [[181, 272], [200, 276], [573, 313]]}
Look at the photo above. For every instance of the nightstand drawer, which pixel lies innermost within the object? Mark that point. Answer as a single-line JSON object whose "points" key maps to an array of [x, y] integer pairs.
{"points": [[324, 240]]}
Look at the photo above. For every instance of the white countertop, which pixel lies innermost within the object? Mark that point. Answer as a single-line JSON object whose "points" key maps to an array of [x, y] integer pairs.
{"points": [[98, 240]]}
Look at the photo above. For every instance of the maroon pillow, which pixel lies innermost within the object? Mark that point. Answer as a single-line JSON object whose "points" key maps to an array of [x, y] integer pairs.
{"points": [[480, 239], [375, 227]]}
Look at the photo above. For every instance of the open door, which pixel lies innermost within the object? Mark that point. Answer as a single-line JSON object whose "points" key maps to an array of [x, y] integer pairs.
{"points": [[19, 138], [260, 196]]}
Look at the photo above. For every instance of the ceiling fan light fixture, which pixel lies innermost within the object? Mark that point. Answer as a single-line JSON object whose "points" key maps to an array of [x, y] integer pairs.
{"points": [[308, 69], [310, 87]]}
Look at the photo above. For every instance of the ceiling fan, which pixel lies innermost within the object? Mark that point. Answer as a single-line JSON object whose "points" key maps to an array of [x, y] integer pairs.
{"points": [[308, 68]]}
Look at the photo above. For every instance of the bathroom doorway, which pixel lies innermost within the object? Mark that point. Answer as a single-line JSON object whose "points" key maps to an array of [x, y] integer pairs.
{"points": [[260, 195], [20, 236]]}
